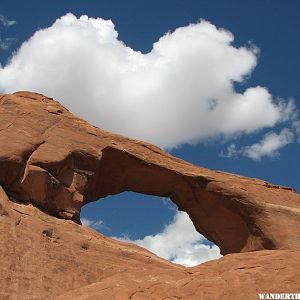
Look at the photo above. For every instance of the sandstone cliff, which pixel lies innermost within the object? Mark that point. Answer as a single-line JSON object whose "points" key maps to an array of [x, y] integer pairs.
{"points": [[52, 163]]}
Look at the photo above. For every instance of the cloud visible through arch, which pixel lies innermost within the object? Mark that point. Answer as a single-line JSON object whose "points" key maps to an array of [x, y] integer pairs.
{"points": [[182, 91], [179, 242]]}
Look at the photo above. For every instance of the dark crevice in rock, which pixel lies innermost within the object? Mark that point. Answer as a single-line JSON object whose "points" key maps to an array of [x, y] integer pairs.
{"points": [[26, 160]]}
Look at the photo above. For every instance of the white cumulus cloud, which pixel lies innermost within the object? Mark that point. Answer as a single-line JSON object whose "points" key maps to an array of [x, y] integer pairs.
{"points": [[179, 242], [230, 152], [269, 146], [181, 91]]}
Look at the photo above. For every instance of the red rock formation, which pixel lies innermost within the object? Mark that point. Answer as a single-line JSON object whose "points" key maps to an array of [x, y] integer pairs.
{"points": [[59, 162], [52, 161], [43, 257]]}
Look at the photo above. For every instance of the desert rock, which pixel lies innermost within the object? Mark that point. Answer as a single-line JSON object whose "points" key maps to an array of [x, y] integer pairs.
{"points": [[52, 163]]}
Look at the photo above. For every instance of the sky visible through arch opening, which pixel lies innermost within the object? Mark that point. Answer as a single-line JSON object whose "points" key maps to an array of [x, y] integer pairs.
{"points": [[216, 83], [150, 222]]}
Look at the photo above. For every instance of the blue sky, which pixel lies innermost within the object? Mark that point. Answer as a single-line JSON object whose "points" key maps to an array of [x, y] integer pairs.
{"points": [[163, 96]]}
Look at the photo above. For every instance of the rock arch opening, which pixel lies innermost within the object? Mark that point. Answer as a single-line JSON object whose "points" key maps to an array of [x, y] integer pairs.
{"points": [[213, 214], [63, 163], [153, 223]]}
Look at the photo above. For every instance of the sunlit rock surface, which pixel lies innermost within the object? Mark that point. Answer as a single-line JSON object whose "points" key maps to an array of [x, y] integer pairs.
{"points": [[52, 163]]}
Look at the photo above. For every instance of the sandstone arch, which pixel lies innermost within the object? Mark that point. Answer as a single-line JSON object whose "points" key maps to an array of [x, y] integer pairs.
{"points": [[60, 162]]}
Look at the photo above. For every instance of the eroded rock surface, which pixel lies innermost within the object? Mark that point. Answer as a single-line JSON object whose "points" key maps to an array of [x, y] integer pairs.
{"points": [[59, 162], [44, 257], [52, 163]]}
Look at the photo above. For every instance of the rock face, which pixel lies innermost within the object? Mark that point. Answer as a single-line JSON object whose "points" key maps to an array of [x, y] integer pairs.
{"points": [[52, 163], [43, 257], [58, 162]]}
